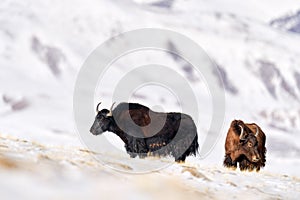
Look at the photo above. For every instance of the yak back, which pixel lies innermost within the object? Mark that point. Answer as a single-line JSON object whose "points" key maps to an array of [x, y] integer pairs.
{"points": [[142, 116], [138, 113]]}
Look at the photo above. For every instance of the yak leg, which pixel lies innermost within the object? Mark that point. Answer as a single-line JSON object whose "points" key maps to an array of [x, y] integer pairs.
{"points": [[190, 151], [131, 148], [131, 153], [137, 147], [179, 156], [142, 147], [179, 152], [180, 159], [191, 143], [228, 162], [257, 168], [251, 167], [244, 164]]}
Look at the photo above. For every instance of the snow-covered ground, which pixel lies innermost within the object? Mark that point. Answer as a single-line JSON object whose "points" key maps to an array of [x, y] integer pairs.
{"points": [[44, 44], [30, 170]]}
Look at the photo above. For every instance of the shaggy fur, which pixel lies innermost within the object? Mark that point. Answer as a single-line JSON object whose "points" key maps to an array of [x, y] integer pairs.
{"points": [[177, 137], [238, 150]]}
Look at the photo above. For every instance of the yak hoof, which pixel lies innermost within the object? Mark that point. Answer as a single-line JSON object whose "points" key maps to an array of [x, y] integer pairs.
{"points": [[132, 155], [244, 165], [181, 159]]}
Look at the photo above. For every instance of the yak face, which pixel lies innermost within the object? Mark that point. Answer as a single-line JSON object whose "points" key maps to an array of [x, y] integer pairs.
{"points": [[249, 147], [248, 142], [102, 122]]}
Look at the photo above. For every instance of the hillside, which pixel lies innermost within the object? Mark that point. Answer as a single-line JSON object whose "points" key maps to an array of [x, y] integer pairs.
{"points": [[44, 44], [63, 173]]}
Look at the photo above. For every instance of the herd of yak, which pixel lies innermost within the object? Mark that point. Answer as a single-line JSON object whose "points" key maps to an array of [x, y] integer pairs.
{"points": [[177, 136]]}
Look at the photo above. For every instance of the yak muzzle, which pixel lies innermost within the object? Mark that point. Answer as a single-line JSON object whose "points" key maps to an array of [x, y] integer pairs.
{"points": [[94, 130], [255, 159]]}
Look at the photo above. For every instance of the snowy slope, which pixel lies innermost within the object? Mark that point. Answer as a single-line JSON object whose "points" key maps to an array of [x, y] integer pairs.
{"points": [[63, 173], [44, 44], [288, 22]]}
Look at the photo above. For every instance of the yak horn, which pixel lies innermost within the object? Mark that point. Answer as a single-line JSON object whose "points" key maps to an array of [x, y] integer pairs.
{"points": [[257, 131], [97, 108], [110, 110], [242, 132]]}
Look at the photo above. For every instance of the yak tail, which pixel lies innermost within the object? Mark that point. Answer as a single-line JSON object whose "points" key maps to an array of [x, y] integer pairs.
{"points": [[195, 146]]}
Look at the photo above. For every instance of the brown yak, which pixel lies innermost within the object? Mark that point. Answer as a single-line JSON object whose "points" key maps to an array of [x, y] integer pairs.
{"points": [[245, 144]]}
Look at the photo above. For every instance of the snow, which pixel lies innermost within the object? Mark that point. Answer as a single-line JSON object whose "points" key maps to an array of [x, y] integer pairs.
{"points": [[71, 172], [44, 44]]}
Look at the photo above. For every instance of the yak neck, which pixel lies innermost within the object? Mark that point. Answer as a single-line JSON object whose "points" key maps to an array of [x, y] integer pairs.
{"points": [[116, 130]]}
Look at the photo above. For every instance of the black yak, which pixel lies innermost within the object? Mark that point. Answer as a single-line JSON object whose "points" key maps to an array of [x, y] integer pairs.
{"points": [[135, 124]]}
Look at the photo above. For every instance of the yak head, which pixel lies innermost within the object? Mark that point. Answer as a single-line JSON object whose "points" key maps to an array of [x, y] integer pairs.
{"points": [[249, 144], [102, 121]]}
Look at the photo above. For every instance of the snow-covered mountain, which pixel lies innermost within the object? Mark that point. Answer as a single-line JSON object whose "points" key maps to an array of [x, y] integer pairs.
{"points": [[289, 22], [44, 44]]}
